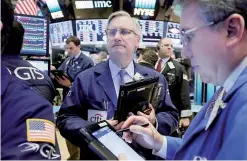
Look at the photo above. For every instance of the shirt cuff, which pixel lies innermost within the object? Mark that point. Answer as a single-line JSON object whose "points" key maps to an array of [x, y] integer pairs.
{"points": [[186, 113], [163, 150]]}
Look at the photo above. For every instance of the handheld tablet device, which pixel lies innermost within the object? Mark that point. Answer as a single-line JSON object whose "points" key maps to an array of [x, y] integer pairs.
{"points": [[105, 143], [135, 96], [60, 74]]}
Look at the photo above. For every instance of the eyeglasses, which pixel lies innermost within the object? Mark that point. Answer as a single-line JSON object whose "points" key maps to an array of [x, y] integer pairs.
{"points": [[186, 36], [123, 32]]}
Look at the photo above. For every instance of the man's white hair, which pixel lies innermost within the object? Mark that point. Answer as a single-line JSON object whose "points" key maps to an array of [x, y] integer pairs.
{"points": [[137, 28]]}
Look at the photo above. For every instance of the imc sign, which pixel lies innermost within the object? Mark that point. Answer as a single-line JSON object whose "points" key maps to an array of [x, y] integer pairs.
{"points": [[82, 4], [144, 7]]}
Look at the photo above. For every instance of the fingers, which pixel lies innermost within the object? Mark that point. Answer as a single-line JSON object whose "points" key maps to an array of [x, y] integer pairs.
{"points": [[134, 120], [118, 126], [141, 114], [131, 114], [140, 130], [127, 136], [122, 157]]}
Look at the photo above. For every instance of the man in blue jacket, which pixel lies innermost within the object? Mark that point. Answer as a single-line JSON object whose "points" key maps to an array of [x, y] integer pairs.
{"points": [[27, 128], [93, 95], [214, 36]]}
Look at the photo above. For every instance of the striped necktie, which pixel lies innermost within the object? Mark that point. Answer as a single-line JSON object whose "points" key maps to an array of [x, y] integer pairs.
{"points": [[121, 74], [211, 104]]}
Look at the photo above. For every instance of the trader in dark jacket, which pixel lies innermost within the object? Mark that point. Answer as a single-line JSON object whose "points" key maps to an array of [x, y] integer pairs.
{"points": [[176, 78], [76, 63], [148, 58], [22, 69]]}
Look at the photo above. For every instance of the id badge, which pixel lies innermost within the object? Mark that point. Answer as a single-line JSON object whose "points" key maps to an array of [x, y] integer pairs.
{"points": [[96, 115]]}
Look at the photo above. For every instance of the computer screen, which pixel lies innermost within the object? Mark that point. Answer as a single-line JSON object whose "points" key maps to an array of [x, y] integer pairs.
{"points": [[54, 8], [152, 31], [171, 30], [59, 32], [43, 65], [35, 37], [91, 31], [109, 139]]}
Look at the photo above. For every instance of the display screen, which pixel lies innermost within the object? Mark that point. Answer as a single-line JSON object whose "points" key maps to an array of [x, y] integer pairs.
{"points": [[41, 65], [55, 9], [59, 32], [110, 139], [152, 31], [91, 31], [35, 37], [172, 31]]}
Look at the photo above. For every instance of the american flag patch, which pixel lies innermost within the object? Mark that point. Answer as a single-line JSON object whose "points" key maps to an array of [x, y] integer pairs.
{"points": [[40, 130]]}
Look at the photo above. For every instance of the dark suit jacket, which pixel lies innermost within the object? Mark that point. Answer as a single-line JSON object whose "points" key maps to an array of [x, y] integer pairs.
{"points": [[178, 85], [95, 86], [146, 65]]}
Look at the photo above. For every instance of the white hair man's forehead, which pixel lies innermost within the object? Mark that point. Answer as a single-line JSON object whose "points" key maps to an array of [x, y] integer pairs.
{"points": [[136, 25]]}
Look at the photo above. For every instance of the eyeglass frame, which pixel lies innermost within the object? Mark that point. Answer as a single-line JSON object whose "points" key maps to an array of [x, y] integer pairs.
{"points": [[131, 31], [186, 33]]}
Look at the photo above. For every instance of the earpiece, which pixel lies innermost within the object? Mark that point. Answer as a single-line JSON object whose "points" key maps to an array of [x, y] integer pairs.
{"points": [[158, 48]]}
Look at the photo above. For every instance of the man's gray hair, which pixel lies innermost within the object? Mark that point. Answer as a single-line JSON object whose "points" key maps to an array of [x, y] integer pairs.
{"points": [[214, 10], [137, 28]]}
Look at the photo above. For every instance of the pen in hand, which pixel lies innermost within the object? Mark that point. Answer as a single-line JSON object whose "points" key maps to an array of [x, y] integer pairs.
{"points": [[127, 129]]}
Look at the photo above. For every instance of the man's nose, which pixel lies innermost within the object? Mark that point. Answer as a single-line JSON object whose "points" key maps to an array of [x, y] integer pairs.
{"points": [[118, 36]]}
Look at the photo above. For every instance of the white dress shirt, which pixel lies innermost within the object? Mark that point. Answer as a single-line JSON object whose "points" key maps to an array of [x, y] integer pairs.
{"points": [[128, 77], [228, 84]]}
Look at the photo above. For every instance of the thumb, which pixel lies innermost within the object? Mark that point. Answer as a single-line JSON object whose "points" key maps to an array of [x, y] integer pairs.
{"points": [[122, 157]]}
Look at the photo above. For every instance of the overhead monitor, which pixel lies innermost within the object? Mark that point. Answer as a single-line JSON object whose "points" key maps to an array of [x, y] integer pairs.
{"points": [[59, 32], [171, 30], [91, 31], [35, 37], [43, 65], [152, 31], [54, 8]]}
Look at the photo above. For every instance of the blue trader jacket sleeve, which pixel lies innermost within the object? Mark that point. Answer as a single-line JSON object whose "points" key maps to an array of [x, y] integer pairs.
{"points": [[172, 146], [28, 130]]}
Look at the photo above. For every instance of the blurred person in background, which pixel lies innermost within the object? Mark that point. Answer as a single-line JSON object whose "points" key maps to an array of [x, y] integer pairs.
{"points": [[23, 111], [177, 79], [22, 69], [76, 63], [148, 58]]}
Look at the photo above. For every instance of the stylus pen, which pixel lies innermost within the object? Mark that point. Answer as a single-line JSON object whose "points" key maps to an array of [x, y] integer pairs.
{"points": [[127, 129]]}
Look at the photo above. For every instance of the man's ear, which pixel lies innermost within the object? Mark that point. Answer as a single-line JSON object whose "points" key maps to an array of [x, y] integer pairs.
{"points": [[235, 26]]}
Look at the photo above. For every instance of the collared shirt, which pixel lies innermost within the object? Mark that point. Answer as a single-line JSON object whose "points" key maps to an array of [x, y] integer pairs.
{"points": [[128, 77], [77, 56], [231, 79], [164, 61], [234, 75]]}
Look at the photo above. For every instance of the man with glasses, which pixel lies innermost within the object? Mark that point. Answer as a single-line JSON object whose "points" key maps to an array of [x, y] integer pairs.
{"points": [[214, 35], [93, 96]]}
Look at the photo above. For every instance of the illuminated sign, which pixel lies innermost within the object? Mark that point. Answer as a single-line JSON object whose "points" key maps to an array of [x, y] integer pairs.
{"points": [[92, 4], [172, 31], [55, 9], [144, 7]]}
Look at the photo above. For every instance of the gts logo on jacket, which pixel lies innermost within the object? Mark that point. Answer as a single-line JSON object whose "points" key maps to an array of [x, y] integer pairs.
{"points": [[28, 73]]}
